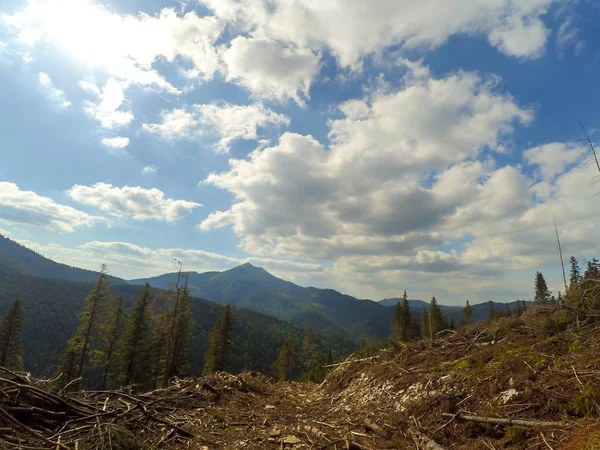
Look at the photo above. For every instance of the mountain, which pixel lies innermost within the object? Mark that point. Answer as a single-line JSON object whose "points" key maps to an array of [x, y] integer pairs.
{"points": [[51, 308], [21, 259], [416, 306], [326, 310]]}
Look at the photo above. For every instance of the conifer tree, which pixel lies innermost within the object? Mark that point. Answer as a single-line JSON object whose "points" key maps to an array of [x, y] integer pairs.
{"points": [[426, 323], [405, 326], [134, 350], [183, 329], [575, 276], [542, 294], [309, 351], [219, 343], [451, 325], [114, 336], [492, 314], [467, 315], [158, 349], [169, 368], [363, 347], [284, 365], [92, 330], [329, 359], [518, 309], [11, 347], [507, 311], [437, 322], [592, 271], [415, 327]]}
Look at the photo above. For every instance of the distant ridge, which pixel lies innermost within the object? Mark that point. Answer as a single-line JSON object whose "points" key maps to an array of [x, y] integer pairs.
{"points": [[24, 260]]}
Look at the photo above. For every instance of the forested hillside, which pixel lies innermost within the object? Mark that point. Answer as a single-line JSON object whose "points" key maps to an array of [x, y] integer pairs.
{"points": [[25, 260], [51, 309]]}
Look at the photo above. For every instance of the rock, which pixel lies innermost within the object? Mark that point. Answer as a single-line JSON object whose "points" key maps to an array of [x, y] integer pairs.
{"points": [[291, 440]]}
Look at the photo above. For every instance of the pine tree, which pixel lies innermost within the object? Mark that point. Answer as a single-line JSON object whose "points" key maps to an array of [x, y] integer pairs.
{"points": [[219, 343], [284, 365], [507, 311], [415, 327], [542, 294], [575, 277], [91, 334], [592, 271], [134, 350], [467, 315], [309, 351], [114, 336], [11, 348]]}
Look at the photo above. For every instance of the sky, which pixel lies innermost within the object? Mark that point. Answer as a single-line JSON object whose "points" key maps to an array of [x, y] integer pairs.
{"points": [[370, 147]]}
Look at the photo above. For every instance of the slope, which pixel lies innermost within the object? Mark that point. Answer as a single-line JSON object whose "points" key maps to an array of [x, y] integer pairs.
{"points": [[51, 308], [326, 310], [25, 260]]}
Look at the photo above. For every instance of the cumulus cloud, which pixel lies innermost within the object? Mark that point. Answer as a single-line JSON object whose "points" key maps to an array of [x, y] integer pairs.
{"points": [[29, 208], [125, 46], [225, 121], [371, 189], [108, 109], [118, 142], [128, 260], [271, 69], [354, 28], [552, 159], [132, 201], [54, 94]]}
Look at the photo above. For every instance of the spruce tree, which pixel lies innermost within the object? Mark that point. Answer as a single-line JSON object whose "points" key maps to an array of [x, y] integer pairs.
{"points": [[91, 335], [507, 311], [114, 336], [467, 315], [437, 322], [284, 364], [180, 364], [492, 314], [309, 351], [575, 276], [134, 350], [219, 343], [415, 327], [158, 349], [542, 294], [426, 323], [405, 326], [11, 347], [329, 359], [169, 370]]}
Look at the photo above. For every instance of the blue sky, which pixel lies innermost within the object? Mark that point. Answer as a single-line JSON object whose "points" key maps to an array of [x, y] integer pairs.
{"points": [[369, 148]]}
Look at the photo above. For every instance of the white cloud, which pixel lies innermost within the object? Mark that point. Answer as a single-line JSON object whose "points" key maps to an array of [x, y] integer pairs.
{"points": [[271, 69], [124, 45], [355, 28], [108, 110], [553, 158], [228, 122], [4, 232], [149, 169], [175, 124], [54, 94], [133, 261], [118, 142], [29, 208], [132, 201], [568, 36], [369, 192]]}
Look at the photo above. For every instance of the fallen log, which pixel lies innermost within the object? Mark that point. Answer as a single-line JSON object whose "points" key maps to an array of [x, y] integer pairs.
{"points": [[379, 431], [423, 441], [508, 421]]}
